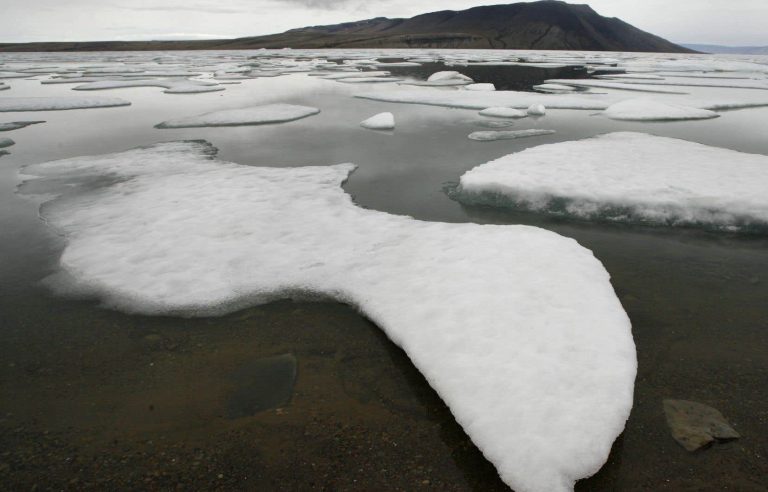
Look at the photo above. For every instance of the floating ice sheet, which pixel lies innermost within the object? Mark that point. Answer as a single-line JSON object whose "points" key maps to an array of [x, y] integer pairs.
{"points": [[517, 328], [381, 121], [490, 136], [172, 86], [8, 104], [15, 125], [631, 177], [255, 115], [650, 110]]}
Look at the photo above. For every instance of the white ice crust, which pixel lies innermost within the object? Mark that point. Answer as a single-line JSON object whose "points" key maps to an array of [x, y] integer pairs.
{"points": [[642, 109], [629, 177], [503, 112], [517, 328], [255, 115], [58, 103], [381, 121], [489, 136]]}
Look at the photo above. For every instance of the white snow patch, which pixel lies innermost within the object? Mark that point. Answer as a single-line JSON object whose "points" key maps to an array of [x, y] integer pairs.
{"points": [[629, 177], [489, 136], [651, 110], [503, 112], [255, 115], [517, 328], [536, 110], [381, 121], [480, 87], [8, 104]]}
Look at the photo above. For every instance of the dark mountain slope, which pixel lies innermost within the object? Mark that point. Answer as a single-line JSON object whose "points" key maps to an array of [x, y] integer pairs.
{"points": [[546, 25]]}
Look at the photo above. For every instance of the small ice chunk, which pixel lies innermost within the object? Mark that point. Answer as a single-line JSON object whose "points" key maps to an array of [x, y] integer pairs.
{"points": [[8, 104], [554, 88], [255, 115], [503, 112], [489, 136], [480, 87], [381, 121], [15, 125], [651, 110], [449, 75], [6, 142], [537, 110], [629, 177], [518, 329]]}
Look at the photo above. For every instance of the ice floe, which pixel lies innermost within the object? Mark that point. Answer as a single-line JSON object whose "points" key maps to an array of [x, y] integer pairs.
{"points": [[381, 121], [15, 125], [6, 142], [517, 328], [172, 86], [650, 110], [554, 88], [536, 109], [625, 85], [8, 104], [255, 115], [443, 79], [480, 87], [503, 112], [490, 136], [633, 177]]}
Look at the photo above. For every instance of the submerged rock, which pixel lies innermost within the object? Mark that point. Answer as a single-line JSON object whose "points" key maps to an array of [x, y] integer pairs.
{"points": [[695, 425], [261, 385]]}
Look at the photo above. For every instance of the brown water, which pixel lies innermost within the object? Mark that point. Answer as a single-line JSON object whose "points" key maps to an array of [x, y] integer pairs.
{"points": [[96, 399]]}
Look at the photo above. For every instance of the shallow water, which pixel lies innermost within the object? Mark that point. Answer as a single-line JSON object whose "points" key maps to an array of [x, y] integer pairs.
{"points": [[97, 398]]}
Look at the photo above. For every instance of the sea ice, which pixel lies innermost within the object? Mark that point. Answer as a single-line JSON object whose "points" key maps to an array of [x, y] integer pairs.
{"points": [[503, 112], [536, 110], [631, 177], [255, 115], [518, 329], [15, 125], [443, 79], [381, 121], [554, 88], [480, 87], [172, 86], [489, 136], [8, 104], [6, 142], [651, 110], [626, 85]]}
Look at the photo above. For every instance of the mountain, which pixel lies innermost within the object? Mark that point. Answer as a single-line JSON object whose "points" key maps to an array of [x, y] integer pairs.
{"points": [[545, 25], [731, 50]]}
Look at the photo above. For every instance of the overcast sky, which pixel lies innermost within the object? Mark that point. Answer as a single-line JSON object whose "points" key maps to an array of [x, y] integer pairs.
{"points": [[729, 22]]}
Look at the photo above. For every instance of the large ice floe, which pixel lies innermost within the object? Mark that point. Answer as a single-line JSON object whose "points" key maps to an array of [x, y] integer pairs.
{"points": [[650, 110], [517, 328], [490, 136], [171, 86], [629, 177], [255, 115], [8, 104]]}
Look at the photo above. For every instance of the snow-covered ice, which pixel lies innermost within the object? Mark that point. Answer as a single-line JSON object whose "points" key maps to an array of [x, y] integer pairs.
{"points": [[172, 86], [480, 87], [642, 109], [517, 328], [15, 125], [255, 115], [503, 112], [490, 136], [8, 104], [536, 110], [381, 121], [632, 177]]}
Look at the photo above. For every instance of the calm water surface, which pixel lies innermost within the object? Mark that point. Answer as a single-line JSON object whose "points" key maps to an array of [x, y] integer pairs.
{"points": [[92, 398]]}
